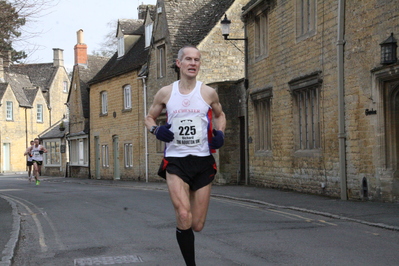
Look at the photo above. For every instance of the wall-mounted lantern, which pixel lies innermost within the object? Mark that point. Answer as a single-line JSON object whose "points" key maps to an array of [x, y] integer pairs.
{"points": [[225, 25], [388, 51]]}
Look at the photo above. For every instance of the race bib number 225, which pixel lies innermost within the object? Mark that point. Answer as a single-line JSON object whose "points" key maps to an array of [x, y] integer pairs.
{"points": [[188, 131]]}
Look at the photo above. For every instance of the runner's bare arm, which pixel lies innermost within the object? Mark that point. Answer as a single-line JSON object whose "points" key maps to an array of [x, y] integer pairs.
{"points": [[160, 100], [219, 115]]}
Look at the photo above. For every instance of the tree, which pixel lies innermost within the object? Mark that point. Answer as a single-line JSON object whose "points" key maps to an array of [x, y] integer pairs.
{"points": [[110, 43], [10, 23], [14, 15]]}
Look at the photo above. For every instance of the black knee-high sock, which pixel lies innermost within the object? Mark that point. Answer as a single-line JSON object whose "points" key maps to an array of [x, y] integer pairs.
{"points": [[185, 238]]}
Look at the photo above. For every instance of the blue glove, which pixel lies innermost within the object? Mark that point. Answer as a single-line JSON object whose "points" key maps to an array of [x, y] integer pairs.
{"points": [[217, 139], [164, 134]]}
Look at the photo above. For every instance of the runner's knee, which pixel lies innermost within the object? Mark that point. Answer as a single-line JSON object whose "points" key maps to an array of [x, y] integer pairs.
{"points": [[197, 227], [184, 217]]}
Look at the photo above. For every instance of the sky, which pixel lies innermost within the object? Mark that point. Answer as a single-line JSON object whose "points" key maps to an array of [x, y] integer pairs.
{"points": [[57, 27]]}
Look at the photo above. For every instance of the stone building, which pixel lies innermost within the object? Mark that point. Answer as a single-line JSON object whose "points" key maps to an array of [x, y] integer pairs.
{"points": [[84, 69], [117, 108], [322, 107], [188, 22], [33, 99]]}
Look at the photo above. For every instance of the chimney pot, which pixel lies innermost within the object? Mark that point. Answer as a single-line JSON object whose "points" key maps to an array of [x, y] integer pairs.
{"points": [[58, 59], [80, 36], [80, 49]]}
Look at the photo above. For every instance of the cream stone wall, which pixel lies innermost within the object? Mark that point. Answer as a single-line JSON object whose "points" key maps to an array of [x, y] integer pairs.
{"points": [[288, 59], [127, 125], [366, 26], [58, 97], [18, 132]]}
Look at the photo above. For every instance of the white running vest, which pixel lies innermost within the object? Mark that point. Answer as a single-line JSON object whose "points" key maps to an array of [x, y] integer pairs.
{"points": [[36, 156], [191, 119]]}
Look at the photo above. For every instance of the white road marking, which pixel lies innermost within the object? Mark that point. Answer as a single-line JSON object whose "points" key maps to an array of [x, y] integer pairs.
{"points": [[110, 260]]}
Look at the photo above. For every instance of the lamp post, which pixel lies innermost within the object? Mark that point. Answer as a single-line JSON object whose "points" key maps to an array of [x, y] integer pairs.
{"points": [[225, 26]]}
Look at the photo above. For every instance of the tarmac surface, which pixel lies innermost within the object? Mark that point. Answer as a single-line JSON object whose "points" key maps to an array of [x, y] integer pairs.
{"points": [[378, 214]]}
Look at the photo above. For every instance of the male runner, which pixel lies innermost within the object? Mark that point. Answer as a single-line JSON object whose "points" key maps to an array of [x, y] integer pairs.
{"points": [[37, 151], [29, 162], [188, 165]]}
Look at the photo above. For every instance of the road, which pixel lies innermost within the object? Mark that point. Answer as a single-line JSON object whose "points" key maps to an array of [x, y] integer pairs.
{"points": [[75, 223]]}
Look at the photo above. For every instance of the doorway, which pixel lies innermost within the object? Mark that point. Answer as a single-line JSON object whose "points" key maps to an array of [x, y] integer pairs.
{"points": [[115, 146], [97, 157], [6, 157]]}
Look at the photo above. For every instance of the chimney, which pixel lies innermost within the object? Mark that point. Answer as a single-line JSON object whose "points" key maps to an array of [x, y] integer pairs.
{"points": [[142, 9], [1, 71], [6, 59], [80, 50], [58, 58]]}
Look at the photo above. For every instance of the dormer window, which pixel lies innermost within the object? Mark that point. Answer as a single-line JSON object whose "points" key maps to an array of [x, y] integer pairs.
{"points": [[121, 46], [148, 34]]}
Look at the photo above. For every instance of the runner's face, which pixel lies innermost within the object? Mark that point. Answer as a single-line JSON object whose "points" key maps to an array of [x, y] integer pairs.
{"points": [[190, 63], [36, 142]]}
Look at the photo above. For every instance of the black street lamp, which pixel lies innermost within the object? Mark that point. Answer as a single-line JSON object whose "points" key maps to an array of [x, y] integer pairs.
{"points": [[388, 51]]}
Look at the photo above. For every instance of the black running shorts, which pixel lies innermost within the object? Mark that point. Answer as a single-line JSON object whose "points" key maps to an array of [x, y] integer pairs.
{"points": [[29, 163], [37, 162], [196, 171]]}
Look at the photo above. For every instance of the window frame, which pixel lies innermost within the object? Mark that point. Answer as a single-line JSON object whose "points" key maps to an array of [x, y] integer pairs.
{"points": [[161, 61], [9, 111], [148, 34], [65, 86], [105, 156], [79, 151], [53, 152], [261, 24], [305, 93], [39, 113], [104, 102], [127, 97], [121, 46], [128, 155], [262, 103], [160, 145], [306, 19]]}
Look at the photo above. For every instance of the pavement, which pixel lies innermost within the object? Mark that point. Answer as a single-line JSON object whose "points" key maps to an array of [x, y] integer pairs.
{"points": [[378, 214]]}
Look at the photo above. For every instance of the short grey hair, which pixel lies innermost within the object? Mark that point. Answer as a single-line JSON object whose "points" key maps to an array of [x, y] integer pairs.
{"points": [[180, 54]]}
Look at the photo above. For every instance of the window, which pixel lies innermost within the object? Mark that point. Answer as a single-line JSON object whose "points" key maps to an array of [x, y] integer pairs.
{"points": [[127, 96], [53, 155], [148, 34], [306, 96], [9, 110], [161, 61], [263, 124], [65, 85], [105, 156], [121, 46], [128, 151], [79, 155], [305, 18], [39, 114], [261, 35], [160, 145], [104, 102]]}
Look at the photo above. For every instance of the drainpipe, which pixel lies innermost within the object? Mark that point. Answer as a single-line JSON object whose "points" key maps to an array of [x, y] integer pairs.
{"points": [[145, 129], [246, 84], [341, 99]]}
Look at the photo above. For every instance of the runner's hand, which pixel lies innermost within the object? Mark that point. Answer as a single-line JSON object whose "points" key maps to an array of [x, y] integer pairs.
{"points": [[217, 139], [164, 134]]}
